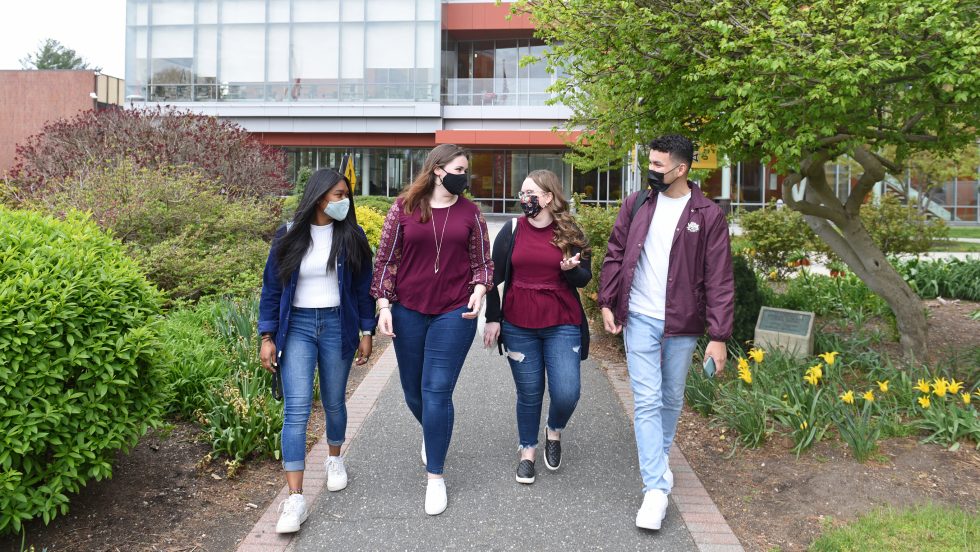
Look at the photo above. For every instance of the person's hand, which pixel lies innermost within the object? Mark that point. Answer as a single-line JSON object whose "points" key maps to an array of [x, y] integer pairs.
{"points": [[384, 322], [267, 355], [364, 349], [476, 302], [609, 321], [571, 262], [718, 351], [491, 331]]}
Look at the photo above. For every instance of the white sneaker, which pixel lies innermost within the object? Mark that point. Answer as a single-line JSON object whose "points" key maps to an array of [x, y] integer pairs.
{"points": [[435, 497], [668, 475], [336, 474], [653, 511], [293, 514], [425, 462]]}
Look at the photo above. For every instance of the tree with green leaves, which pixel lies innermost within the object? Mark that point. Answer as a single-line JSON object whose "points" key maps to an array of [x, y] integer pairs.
{"points": [[795, 83], [52, 54]]}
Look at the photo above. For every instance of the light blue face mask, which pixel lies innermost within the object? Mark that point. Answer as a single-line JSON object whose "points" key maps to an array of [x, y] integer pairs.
{"points": [[337, 210]]}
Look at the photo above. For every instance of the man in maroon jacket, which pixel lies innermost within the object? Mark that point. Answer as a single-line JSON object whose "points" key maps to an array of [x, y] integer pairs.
{"points": [[666, 278]]}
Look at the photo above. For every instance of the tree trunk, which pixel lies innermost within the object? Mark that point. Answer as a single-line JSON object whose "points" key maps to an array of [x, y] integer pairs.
{"points": [[856, 248]]}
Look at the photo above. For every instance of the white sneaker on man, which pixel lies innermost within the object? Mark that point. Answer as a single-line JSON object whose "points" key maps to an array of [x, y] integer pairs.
{"points": [[336, 474], [653, 511], [435, 496], [293, 514]]}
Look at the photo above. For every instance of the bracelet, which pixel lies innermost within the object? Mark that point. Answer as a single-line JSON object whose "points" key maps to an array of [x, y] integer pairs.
{"points": [[266, 337]]}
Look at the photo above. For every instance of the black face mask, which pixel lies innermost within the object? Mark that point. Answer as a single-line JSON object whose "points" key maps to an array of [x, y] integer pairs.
{"points": [[531, 207], [656, 180], [455, 183]]}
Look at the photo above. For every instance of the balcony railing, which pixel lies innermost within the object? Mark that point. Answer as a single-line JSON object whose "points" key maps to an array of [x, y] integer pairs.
{"points": [[491, 92], [304, 91]]}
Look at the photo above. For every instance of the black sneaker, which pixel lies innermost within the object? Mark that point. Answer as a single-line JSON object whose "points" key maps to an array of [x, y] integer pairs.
{"points": [[525, 472], [552, 453]]}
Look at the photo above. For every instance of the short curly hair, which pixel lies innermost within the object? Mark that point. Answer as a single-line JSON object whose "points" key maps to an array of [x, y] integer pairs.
{"points": [[680, 148]]}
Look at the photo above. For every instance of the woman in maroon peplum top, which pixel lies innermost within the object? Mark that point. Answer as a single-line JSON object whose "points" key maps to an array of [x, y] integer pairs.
{"points": [[542, 260], [432, 270]]}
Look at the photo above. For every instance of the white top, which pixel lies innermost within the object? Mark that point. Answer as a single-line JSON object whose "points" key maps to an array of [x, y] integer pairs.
{"points": [[317, 287], [648, 294]]}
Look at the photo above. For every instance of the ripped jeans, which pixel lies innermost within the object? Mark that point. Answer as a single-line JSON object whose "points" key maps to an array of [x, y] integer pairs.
{"points": [[536, 355]]}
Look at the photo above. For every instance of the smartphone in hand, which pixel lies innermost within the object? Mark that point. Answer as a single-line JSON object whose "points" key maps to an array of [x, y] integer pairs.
{"points": [[709, 367]]}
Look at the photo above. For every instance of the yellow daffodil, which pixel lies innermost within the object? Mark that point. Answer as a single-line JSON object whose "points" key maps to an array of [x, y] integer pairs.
{"points": [[744, 373], [965, 397], [883, 386], [773, 275], [869, 396], [742, 363], [756, 355], [954, 386], [804, 425], [813, 374], [922, 386], [924, 401], [830, 358], [940, 386], [848, 397]]}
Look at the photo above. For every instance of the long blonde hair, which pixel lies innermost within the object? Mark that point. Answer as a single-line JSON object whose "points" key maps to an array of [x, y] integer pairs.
{"points": [[567, 233], [418, 193]]}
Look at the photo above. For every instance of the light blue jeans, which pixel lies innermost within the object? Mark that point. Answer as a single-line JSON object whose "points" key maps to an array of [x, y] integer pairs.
{"points": [[313, 343], [658, 370]]}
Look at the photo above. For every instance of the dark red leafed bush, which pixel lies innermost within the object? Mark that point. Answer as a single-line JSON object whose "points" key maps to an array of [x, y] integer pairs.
{"points": [[220, 151]]}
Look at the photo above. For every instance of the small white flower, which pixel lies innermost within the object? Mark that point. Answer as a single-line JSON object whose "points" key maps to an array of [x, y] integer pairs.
{"points": [[693, 227]]}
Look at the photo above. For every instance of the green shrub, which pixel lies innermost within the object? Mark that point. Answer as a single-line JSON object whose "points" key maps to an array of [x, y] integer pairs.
{"points": [[949, 278], [749, 299], [775, 236], [196, 364], [372, 222], [597, 223], [191, 241], [302, 177], [79, 353], [897, 228], [380, 204]]}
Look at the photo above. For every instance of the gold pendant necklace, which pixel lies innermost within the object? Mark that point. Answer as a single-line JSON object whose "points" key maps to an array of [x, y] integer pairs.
{"points": [[438, 239]]}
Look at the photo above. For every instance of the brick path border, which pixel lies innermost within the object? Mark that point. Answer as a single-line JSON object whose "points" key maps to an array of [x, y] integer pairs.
{"points": [[263, 536], [704, 521]]}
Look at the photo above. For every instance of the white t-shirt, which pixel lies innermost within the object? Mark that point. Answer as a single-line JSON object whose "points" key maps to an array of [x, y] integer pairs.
{"points": [[648, 294], [316, 287]]}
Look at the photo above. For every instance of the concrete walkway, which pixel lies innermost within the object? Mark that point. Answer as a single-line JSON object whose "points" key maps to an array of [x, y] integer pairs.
{"points": [[589, 503]]}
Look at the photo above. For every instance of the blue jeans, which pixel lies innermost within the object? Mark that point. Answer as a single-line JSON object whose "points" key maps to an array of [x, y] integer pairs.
{"points": [[430, 350], [312, 342], [658, 370], [533, 354]]}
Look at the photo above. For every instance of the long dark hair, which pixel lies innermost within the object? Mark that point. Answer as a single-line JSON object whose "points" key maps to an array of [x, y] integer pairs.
{"points": [[347, 237], [416, 196]]}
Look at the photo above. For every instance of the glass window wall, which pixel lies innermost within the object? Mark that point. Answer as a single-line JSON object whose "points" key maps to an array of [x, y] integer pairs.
{"points": [[488, 72], [283, 50]]}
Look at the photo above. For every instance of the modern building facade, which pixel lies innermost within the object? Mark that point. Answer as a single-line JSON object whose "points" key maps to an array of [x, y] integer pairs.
{"points": [[29, 99], [388, 80]]}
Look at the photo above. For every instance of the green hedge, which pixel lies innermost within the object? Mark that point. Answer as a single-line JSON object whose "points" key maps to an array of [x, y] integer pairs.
{"points": [[78, 360]]}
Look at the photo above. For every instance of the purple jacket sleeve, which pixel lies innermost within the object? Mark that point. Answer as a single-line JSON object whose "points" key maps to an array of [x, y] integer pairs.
{"points": [[719, 281], [609, 280]]}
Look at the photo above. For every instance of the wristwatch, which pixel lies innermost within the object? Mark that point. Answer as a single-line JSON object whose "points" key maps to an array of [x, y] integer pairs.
{"points": [[363, 333]]}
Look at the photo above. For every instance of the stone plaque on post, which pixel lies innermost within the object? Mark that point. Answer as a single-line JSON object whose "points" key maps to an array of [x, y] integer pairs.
{"points": [[784, 329]]}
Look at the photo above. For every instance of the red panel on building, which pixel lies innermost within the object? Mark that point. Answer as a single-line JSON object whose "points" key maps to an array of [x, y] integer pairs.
{"points": [[510, 139], [485, 21], [343, 140]]}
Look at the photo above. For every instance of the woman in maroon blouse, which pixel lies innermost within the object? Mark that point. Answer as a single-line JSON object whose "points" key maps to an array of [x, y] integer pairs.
{"points": [[432, 270], [541, 260]]}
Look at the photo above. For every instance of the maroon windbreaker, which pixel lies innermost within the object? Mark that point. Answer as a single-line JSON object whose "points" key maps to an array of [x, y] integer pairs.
{"points": [[700, 285]]}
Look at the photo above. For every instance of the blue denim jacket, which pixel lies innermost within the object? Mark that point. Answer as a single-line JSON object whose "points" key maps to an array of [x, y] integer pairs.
{"points": [[356, 304]]}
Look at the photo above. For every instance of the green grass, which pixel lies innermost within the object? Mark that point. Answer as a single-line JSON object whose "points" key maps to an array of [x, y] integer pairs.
{"points": [[964, 232], [953, 245], [924, 529]]}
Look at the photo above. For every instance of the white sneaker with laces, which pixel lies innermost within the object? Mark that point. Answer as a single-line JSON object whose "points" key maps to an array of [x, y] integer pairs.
{"points": [[653, 511], [435, 497], [336, 474], [293, 513]]}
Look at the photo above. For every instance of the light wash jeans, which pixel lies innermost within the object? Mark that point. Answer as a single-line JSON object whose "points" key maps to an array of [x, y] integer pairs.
{"points": [[550, 354], [313, 342], [658, 370]]}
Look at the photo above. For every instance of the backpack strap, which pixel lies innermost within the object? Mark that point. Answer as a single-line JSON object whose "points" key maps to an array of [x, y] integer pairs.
{"points": [[640, 198]]}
